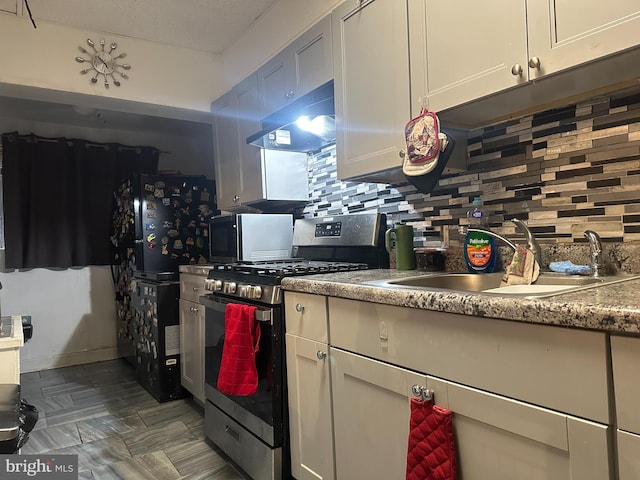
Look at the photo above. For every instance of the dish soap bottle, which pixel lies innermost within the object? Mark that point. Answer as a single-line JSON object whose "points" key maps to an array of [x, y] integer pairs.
{"points": [[479, 248]]}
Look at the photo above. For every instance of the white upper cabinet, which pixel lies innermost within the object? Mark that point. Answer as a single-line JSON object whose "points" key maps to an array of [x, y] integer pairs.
{"points": [[563, 34], [463, 50], [298, 69], [238, 165], [225, 144], [371, 81]]}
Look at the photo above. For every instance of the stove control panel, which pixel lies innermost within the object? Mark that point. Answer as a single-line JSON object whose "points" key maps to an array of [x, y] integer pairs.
{"points": [[331, 229]]}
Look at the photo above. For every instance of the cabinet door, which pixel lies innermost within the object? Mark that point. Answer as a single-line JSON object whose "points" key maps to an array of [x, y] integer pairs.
{"points": [[445, 70], [276, 83], [225, 138], [309, 393], [371, 75], [503, 439], [371, 407], [563, 34], [625, 353], [628, 458], [312, 58], [301, 67], [249, 159], [192, 347]]}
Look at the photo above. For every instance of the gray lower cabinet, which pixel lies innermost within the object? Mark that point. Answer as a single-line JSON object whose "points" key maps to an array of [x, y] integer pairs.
{"points": [[309, 387], [520, 393], [496, 437], [625, 353], [192, 335]]}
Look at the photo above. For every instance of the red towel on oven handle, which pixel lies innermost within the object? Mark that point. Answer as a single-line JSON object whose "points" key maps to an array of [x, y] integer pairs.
{"points": [[431, 453], [238, 374]]}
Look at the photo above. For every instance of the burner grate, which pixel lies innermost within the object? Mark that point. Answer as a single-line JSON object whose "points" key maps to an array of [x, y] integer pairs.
{"points": [[283, 268]]}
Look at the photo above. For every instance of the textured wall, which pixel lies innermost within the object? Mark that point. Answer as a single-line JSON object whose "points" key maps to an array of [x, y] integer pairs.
{"points": [[562, 171]]}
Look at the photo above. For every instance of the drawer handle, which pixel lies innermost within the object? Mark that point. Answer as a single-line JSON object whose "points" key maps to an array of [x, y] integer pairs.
{"points": [[299, 308], [193, 309], [232, 432], [321, 355], [421, 392]]}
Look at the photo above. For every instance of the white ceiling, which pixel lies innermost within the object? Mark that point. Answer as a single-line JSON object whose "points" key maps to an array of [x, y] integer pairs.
{"points": [[207, 25]]}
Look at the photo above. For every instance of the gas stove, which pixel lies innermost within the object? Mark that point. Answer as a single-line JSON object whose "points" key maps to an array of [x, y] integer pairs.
{"points": [[320, 245], [253, 429]]}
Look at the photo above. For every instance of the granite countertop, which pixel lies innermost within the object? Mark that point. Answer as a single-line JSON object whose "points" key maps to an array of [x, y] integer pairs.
{"points": [[613, 308]]}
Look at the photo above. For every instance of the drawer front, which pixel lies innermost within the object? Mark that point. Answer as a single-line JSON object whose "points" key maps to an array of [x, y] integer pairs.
{"points": [[628, 458], [306, 316], [562, 369], [192, 287], [625, 354]]}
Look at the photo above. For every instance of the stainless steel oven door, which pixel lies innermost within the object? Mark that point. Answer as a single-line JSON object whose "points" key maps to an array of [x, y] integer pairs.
{"points": [[262, 413]]}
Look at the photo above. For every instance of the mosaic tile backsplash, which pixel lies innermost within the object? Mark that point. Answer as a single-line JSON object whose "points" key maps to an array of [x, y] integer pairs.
{"points": [[563, 171]]}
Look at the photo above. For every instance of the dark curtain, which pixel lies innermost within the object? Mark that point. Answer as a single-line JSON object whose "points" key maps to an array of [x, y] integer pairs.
{"points": [[58, 198]]}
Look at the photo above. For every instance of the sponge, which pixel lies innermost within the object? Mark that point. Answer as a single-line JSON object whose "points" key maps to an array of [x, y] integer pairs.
{"points": [[569, 268]]}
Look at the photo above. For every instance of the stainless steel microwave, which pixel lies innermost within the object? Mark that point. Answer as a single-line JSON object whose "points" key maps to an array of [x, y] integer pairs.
{"points": [[250, 237]]}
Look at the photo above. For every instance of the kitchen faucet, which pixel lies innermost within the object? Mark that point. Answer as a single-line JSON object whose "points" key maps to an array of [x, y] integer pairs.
{"points": [[595, 246], [532, 243]]}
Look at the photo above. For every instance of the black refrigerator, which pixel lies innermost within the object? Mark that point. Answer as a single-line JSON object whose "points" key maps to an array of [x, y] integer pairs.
{"points": [[159, 223]]}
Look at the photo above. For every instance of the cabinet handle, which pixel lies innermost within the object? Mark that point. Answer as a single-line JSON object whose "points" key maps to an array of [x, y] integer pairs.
{"points": [[195, 289], [236, 199], [516, 70], [299, 308], [534, 62], [402, 153], [232, 432], [193, 309], [421, 392], [321, 355], [290, 94]]}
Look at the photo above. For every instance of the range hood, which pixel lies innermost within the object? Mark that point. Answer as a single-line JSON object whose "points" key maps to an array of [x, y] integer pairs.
{"points": [[305, 125]]}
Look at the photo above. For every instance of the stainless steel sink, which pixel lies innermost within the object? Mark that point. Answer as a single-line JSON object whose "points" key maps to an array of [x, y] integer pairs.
{"points": [[548, 284]]}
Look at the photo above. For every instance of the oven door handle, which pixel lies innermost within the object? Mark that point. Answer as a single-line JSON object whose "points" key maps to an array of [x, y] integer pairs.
{"points": [[261, 315], [265, 315]]}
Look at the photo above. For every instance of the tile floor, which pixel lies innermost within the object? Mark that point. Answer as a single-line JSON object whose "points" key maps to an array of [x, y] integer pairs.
{"points": [[118, 430]]}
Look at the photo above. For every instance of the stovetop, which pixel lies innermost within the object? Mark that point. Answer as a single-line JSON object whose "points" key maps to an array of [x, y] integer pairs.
{"points": [[284, 268], [260, 281]]}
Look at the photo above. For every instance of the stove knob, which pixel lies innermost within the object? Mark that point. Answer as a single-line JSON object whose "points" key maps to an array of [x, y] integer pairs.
{"points": [[253, 292], [256, 292], [229, 287], [213, 285]]}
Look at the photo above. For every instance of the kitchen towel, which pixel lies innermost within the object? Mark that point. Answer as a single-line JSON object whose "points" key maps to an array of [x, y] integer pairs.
{"points": [[569, 268], [238, 374], [431, 454], [523, 269]]}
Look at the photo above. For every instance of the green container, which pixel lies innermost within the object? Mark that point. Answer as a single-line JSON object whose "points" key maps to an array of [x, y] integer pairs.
{"points": [[399, 239]]}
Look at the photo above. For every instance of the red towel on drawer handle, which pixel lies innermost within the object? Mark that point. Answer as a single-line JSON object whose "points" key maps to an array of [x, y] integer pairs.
{"points": [[431, 454], [238, 374]]}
